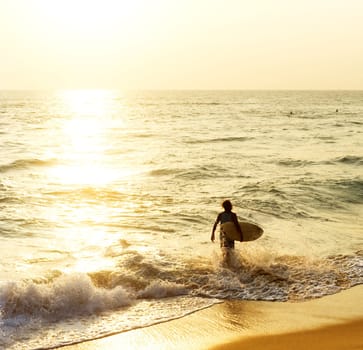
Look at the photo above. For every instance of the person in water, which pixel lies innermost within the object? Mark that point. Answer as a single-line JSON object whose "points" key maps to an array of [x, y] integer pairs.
{"points": [[226, 216]]}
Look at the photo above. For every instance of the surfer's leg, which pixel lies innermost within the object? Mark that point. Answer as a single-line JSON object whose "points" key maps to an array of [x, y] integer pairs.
{"points": [[227, 251], [225, 257]]}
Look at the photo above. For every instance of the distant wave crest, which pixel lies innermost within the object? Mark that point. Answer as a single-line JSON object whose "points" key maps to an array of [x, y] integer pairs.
{"points": [[348, 159], [356, 160], [192, 173], [294, 162], [219, 139], [26, 163]]}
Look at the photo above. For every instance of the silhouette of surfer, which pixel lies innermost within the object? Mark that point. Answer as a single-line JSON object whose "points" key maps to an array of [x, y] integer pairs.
{"points": [[226, 244]]}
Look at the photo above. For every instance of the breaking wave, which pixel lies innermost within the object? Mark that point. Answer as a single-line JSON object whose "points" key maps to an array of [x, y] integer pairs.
{"points": [[253, 275], [66, 296]]}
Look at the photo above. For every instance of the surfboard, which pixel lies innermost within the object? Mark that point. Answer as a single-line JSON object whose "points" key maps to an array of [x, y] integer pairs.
{"points": [[250, 231]]}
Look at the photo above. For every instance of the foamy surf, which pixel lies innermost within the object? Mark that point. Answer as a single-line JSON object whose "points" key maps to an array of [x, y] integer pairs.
{"points": [[107, 302]]}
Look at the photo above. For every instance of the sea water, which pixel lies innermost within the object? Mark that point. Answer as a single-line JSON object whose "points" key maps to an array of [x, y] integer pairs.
{"points": [[108, 200]]}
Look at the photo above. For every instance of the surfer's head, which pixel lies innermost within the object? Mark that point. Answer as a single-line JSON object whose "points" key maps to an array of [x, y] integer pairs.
{"points": [[227, 205]]}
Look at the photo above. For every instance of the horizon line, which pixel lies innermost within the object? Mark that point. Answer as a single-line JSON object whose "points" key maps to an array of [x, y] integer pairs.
{"points": [[175, 89]]}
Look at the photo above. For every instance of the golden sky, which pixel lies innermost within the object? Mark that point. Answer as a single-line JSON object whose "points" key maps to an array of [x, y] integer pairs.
{"points": [[181, 44]]}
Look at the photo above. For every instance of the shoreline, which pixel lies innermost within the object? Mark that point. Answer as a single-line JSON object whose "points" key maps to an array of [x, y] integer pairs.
{"points": [[325, 323]]}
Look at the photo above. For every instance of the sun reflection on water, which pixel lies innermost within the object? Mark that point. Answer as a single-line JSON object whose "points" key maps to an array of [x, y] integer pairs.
{"points": [[92, 178], [86, 129], [87, 103]]}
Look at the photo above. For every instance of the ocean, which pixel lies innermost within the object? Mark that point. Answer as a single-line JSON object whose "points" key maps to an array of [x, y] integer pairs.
{"points": [[108, 200]]}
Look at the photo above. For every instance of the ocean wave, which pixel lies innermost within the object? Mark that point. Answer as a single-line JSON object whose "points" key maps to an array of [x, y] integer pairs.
{"points": [[194, 173], [356, 122], [295, 162], [219, 139], [164, 172], [142, 135], [189, 103], [66, 296], [253, 275], [161, 289], [202, 172], [349, 190], [10, 199], [329, 193], [264, 275], [108, 302], [355, 160], [26, 163], [133, 217], [282, 200], [93, 194], [292, 198], [73, 295], [186, 103]]}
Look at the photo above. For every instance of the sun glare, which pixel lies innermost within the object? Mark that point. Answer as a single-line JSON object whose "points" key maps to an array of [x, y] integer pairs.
{"points": [[85, 138], [87, 103]]}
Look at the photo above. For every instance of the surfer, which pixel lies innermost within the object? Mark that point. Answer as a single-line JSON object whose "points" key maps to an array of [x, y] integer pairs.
{"points": [[225, 216]]}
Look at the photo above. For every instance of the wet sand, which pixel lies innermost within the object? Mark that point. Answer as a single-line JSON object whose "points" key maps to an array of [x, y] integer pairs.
{"points": [[332, 322], [347, 336]]}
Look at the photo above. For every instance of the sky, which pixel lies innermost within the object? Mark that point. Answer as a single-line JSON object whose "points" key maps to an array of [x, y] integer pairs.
{"points": [[181, 44]]}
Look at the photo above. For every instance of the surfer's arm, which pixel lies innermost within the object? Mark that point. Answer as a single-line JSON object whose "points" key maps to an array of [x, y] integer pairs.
{"points": [[238, 227], [212, 238]]}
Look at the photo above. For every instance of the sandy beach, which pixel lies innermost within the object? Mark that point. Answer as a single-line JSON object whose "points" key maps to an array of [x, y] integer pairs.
{"points": [[333, 322]]}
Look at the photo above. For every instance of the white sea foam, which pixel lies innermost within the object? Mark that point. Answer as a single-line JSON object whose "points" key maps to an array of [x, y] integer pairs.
{"points": [[66, 296], [107, 299], [162, 289]]}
